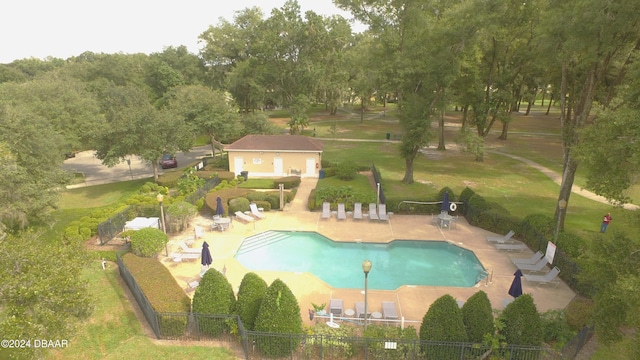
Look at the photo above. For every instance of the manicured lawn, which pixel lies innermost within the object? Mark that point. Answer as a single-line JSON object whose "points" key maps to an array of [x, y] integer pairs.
{"points": [[114, 332], [100, 195]]}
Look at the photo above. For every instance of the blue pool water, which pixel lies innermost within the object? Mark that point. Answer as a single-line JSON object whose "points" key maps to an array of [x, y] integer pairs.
{"points": [[398, 263]]}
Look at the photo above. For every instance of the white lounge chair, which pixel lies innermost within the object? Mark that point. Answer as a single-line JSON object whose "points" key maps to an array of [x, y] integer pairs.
{"points": [[255, 212], [360, 310], [326, 210], [511, 247], [357, 211], [244, 217], [187, 250], [382, 212], [534, 267], [501, 239], [547, 278], [335, 307], [528, 261], [342, 215], [178, 257], [373, 214], [389, 310]]}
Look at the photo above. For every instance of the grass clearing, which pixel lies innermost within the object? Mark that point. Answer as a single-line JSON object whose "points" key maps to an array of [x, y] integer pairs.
{"points": [[114, 332], [100, 195]]}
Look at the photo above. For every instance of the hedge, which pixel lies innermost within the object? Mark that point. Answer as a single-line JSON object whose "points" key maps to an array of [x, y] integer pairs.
{"points": [[477, 316], [162, 291], [442, 322], [148, 242], [522, 322]]}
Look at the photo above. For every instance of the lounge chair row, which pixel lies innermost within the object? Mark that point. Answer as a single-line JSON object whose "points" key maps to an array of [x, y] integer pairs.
{"points": [[375, 212], [255, 212], [388, 309]]}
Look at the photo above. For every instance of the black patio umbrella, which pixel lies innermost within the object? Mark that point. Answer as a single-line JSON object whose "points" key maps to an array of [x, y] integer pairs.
{"points": [[516, 286], [219, 207], [445, 202], [206, 259]]}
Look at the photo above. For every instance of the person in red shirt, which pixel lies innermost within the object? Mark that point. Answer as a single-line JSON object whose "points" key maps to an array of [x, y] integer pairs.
{"points": [[605, 223]]}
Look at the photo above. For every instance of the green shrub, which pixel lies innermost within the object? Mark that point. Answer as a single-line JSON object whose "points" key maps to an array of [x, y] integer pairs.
{"points": [[543, 224], [522, 323], [555, 328], [466, 194], [226, 175], [148, 242], [478, 205], [279, 313], [579, 312], [442, 322], [256, 196], [238, 204], [72, 234], [346, 170], [311, 201], [572, 244], [162, 291], [169, 178], [85, 233], [330, 342], [404, 349], [329, 172], [225, 193], [477, 316], [179, 215], [274, 199], [265, 205], [289, 182], [213, 296], [250, 294]]}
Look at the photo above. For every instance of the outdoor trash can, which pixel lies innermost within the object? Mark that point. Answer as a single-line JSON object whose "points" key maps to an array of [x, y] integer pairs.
{"points": [[321, 174], [388, 136], [245, 175]]}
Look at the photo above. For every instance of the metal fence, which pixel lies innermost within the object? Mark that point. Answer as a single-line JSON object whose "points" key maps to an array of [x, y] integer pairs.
{"points": [[573, 347]]}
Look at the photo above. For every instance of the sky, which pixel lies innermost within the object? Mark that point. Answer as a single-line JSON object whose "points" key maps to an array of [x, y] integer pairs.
{"points": [[65, 28]]}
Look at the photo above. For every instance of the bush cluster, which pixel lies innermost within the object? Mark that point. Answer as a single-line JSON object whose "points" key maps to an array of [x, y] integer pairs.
{"points": [[148, 242]]}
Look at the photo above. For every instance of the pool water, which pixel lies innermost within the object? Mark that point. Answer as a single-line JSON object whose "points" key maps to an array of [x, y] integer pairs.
{"points": [[339, 264]]}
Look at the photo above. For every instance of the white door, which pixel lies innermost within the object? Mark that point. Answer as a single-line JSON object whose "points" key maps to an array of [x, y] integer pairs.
{"points": [[311, 167], [238, 163], [277, 166]]}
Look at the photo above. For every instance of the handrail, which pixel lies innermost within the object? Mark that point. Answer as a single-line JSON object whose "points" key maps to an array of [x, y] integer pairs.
{"points": [[425, 202]]}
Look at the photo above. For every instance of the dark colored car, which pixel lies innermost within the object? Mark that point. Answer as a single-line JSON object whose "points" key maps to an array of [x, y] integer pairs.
{"points": [[168, 161]]}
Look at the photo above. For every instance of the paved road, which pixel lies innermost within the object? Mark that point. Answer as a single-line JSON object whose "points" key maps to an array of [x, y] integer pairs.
{"points": [[95, 173]]}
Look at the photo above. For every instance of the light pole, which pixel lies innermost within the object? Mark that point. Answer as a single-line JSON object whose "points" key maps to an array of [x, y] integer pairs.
{"points": [[366, 267], [160, 198], [377, 194], [562, 204]]}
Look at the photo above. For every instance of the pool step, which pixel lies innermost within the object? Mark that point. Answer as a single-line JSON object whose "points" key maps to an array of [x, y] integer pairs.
{"points": [[263, 239]]}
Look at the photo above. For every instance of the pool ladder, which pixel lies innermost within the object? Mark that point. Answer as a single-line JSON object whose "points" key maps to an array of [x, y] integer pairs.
{"points": [[485, 275], [261, 240]]}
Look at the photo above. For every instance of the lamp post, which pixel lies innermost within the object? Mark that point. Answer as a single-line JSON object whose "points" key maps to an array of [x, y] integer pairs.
{"points": [[366, 267], [160, 198], [562, 204]]}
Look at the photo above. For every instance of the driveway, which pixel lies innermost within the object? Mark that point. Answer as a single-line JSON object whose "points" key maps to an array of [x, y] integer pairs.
{"points": [[96, 173]]}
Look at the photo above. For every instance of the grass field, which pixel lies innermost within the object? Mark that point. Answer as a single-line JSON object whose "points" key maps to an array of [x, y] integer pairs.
{"points": [[114, 332]]}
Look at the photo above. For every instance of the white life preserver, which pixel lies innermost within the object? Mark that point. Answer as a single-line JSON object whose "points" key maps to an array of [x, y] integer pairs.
{"points": [[453, 206]]}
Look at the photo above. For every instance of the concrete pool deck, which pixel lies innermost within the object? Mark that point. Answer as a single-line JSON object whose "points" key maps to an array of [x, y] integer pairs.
{"points": [[411, 302]]}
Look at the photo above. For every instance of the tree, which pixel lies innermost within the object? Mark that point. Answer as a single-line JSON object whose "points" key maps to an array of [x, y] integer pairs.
{"points": [[213, 296], [41, 297], [205, 111], [478, 317], [592, 41], [250, 294], [522, 322], [134, 127], [279, 313], [442, 322]]}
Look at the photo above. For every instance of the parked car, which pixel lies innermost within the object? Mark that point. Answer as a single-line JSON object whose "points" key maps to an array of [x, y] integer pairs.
{"points": [[168, 161]]}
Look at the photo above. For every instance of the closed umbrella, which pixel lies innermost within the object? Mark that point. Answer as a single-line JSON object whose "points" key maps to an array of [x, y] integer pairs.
{"points": [[445, 202], [219, 207], [206, 259], [516, 286]]}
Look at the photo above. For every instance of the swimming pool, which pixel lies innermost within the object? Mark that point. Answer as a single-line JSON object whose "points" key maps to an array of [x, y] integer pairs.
{"points": [[339, 264]]}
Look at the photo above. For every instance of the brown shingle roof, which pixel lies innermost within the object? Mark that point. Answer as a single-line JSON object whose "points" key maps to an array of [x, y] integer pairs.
{"points": [[276, 143]]}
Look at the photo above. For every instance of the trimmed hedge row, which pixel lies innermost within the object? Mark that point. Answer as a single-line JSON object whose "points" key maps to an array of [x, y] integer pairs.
{"points": [[162, 291]]}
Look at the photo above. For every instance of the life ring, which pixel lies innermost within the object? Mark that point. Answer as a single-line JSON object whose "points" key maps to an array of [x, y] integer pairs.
{"points": [[317, 165], [453, 206]]}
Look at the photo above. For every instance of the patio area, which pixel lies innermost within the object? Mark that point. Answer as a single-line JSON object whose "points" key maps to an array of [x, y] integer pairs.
{"points": [[412, 301]]}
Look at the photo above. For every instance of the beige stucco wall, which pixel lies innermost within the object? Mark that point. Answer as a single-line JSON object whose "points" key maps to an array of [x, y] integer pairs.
{"points": [[264, 163]]}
